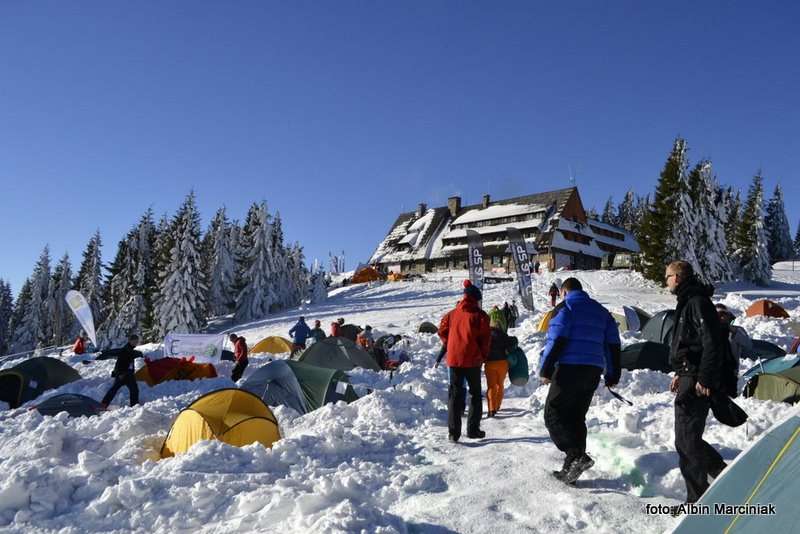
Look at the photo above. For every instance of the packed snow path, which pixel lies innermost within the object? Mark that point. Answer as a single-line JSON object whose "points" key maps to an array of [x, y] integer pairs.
{"points": [[383, 463]]}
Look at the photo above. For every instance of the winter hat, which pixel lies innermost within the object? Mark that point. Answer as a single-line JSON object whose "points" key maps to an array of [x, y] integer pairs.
{"points": [[467, 283], [472, 291]]}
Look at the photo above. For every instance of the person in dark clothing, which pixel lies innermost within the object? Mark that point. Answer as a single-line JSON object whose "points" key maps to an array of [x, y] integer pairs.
{"points": [[554, 290], [536, 266], [697, 356], [496, 367], [509, 315], [465, 332], [123, 372], [299, 332], [317, 332], [240, 355], [582, 342]]}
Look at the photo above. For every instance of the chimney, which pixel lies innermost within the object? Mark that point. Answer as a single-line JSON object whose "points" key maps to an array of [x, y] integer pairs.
{"points": [[421, 209], [454, 205], [485, 202]]}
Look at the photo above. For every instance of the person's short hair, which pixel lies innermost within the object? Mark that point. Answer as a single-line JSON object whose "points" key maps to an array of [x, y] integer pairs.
{"points": [[368, 328], [302, 318], [317, 322], [132, 337], [571, 284], [682, 268], [340, 320], [232, 336]]}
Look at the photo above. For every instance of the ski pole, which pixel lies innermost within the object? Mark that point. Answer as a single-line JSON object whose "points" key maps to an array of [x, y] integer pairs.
{"points": [[618, 396]]}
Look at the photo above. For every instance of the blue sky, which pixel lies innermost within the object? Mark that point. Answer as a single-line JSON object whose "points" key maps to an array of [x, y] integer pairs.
{"points": [[342, 114]]}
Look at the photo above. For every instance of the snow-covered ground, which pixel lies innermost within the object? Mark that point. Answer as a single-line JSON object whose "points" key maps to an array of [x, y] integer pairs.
{"points": [[383, 463]]}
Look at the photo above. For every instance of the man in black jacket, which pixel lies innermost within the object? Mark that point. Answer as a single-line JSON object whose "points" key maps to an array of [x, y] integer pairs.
{"points": [[696, 355], [123, 373]]}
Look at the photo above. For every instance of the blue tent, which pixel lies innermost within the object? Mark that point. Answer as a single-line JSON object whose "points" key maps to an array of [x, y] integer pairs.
{"points": [[766, 473], [773, 366]]}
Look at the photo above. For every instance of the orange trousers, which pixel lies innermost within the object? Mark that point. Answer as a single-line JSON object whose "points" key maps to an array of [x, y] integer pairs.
{"points": [[496, 372]]}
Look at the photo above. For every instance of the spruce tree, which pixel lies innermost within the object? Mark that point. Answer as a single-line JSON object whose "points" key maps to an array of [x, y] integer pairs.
{"points": [[609, 213], [592, 214], [32, 328], [181, 306], [626, 212], [683, 241], [797, 242], [256, 266], [162, 254], [779, 237], [22, 337], [658, 224], [753, 254], [711, 246], [733, 208], [89, 280], [61, 316], [220, 265], [6, 310]]}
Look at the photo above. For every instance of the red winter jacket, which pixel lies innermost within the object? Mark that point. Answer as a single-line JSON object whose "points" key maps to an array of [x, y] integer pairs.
{"points": [[336, 330], [466, 334], [79, 347], [240, 349]]}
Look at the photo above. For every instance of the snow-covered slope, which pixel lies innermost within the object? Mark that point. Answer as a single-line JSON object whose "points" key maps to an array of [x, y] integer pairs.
{"points": [[383, 463]]}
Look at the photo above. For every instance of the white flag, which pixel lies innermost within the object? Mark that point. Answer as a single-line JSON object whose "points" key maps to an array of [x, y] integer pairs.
{"points": [[83, 312], [204, 347]]}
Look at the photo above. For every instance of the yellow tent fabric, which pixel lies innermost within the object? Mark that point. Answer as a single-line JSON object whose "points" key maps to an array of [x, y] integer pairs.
{"points": [[621, 320], [234, 416], [546, 320], [395, 277], [367, 274], [272, 345]]}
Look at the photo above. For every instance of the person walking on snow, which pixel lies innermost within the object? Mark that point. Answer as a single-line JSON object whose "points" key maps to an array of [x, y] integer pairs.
{"points": [[317, 332], [465, 332], [582, 342], [365, 339], [697, 356], [240, 355], [555, 288], [740, 342], [496, 367], [299, 332], [499, 317], [123, 372], [80, 344], [336, 327]]}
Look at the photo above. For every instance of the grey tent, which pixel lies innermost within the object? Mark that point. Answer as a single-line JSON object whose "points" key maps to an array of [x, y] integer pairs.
{"points": [[299, 386], [74, 404], [764, 350], [659, 327], [349, 331], [647, 355], [780, 386], [427, 328], [768, 472], [31, 378], [635, 317], [338, 353]]}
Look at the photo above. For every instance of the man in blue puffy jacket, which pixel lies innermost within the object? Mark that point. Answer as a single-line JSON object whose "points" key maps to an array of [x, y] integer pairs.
{"points": [[299, 332], [582, 343]]}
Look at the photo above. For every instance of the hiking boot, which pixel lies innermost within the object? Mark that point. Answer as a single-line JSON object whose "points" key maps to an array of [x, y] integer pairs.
{"points": [[560, 474], [576, 468], [478, 434], [453, 438], [490, 414]]}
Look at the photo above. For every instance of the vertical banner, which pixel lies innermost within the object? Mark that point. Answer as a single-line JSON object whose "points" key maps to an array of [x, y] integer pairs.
{"points": [[204, 347], [523, 263], [475, 258], [83, 312]]}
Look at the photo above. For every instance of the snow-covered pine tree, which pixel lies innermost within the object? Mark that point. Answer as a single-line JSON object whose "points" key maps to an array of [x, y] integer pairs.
{"points": [[243, 244], [256, 266], [317, 286], [733, 209], [37, 317], [797, 242], [626, 212], [21, 336], [659, 221], [711, 248], [591, 214], [181, 306], [61, 316], [299, 275], [161, 257], [89, 280], [640, 212], [220, 265], [282, 268], [753, 255], [6, 310], [779, 237], [117, 292], [684, 241], [609, 213]]}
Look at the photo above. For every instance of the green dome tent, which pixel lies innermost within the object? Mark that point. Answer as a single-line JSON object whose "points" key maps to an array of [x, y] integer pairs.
{"points": [[31, 378], [647, 355], [659, 327], [302, 387], [766, 473], [427, 328], [74, 404], [349, 331], [783, 386], [338, 353], [773, 366]]}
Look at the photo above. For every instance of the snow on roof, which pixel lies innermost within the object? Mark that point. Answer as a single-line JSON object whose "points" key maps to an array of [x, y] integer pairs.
{"points": [[561, 242], [409, 239], [522, 225], [498, 211], [423, 222], [629, 242]]}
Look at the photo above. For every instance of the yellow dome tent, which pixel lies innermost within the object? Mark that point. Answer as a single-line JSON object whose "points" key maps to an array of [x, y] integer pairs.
{"points": [[233, 416], [543, 324], [272, 345]]}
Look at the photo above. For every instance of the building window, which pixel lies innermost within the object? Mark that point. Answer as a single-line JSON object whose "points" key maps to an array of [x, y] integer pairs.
{"points": [[497, 260]]}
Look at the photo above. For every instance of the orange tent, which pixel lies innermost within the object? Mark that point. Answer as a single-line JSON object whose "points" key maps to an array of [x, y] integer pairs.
{"points": [[367, 274], [157, 371], [395, 277], [766, 308]]}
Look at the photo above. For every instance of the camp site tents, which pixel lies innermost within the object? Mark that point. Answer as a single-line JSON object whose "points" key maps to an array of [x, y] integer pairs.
{"points": [[29, 379], [366, 274], [233, 416], [782, 386], [764, 350], [338, 353], [647, 355], [427, 328], [74, 404], [272, 345], [621, 320], [795, 346], [768, 472], [395, 277], [766, 308], [156, 371], [635, 318], [299, 386], [775, 365], [545, 322], [659, 327], [350, 331]]}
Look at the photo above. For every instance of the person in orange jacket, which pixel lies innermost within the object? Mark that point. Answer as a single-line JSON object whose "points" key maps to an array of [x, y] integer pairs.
{"points": [[465, 332], [240, 355], [80, 344], [496, 367], [336, 327], [365, 339]]}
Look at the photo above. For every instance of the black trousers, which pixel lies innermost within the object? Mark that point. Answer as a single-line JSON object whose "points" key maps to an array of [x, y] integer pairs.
{"points": [[456, 399], [696, 457], [238, 369], [128, 380], [571, 390]]}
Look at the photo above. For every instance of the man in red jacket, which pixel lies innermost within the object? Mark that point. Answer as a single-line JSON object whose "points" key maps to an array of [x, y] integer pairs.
{"points": [[240, 355], [466, 334]]}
